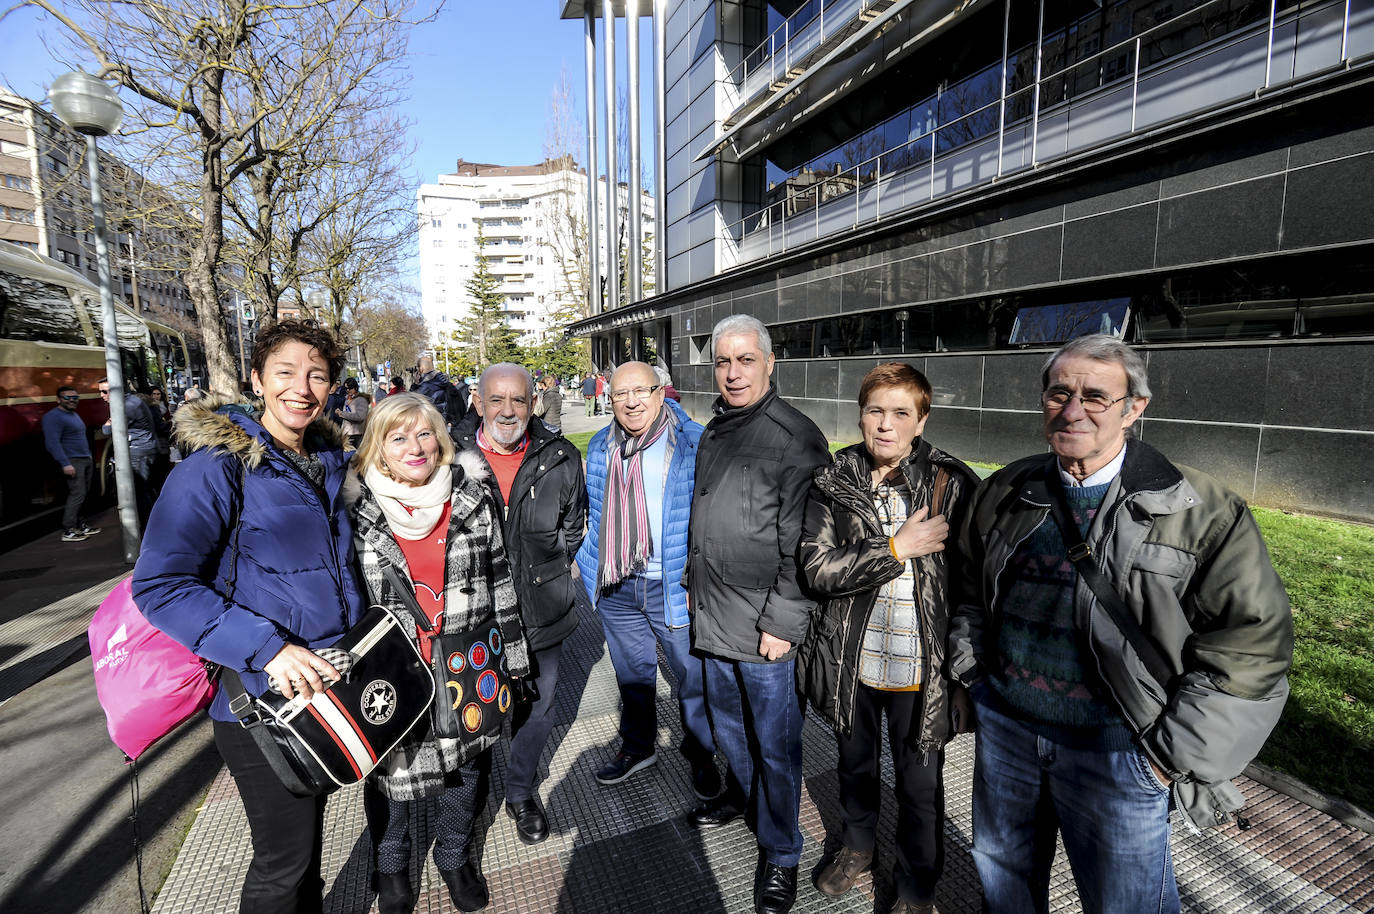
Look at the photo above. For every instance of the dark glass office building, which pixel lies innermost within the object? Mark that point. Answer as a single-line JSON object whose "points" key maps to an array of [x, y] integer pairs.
{"points": [[964, 185]]}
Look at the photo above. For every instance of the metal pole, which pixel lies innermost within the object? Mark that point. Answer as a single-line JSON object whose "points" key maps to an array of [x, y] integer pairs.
{"points": [[634, 253], [1135, 84], [1269, 51], [1035, 104], [238, 313], [1002, 111], [660, 150], [612, 169], [593, 236], [114, 369]]}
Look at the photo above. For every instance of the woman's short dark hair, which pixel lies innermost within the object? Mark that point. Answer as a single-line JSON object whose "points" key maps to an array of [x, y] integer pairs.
{"points": [[293, 331], [897, 374]]}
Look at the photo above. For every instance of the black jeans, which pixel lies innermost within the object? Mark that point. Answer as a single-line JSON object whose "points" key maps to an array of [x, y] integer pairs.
{"points": [[530, 726], [288, 832], [77, 486], [920, 789]]}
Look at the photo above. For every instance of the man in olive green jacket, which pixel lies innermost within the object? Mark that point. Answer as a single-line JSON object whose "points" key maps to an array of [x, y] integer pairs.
{"points": [[1075, 734]]}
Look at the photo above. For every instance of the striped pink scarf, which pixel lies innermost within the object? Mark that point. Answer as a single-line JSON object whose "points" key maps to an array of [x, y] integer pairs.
{"points": [[625, 543]]}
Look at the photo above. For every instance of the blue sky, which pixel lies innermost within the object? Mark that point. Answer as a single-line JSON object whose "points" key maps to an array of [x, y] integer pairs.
{"points": [[482, 76]]}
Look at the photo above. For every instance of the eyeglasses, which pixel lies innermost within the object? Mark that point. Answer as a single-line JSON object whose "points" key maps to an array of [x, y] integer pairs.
{"points": [[104, 393], [70, 398], [639, 393], [1092, 403]]}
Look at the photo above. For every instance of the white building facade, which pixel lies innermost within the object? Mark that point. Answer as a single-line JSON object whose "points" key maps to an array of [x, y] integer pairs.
{"points": [[532, 222]]}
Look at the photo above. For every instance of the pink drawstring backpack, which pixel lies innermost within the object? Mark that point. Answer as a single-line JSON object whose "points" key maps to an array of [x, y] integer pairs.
{"points": [[146, 682]]}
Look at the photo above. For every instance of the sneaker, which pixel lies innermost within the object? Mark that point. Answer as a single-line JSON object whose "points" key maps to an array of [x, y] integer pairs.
{"points": [[88, 529], [623, 765], [839, 875], [74, 536]]}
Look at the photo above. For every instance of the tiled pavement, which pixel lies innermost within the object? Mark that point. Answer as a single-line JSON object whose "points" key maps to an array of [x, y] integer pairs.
{"points": [[628, 848]]}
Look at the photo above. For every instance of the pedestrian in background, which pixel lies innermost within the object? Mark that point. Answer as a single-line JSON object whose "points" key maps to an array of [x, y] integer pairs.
{"points": [[353, 414], [750, 610], [258, 492], [640, 472], [874, 546], [537, 481], [431, 518], [1125, 640], [589, 394], [142, 434], [64, 435]]}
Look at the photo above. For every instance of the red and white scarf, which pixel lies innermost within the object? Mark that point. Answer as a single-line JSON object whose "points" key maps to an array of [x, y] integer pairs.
{"points": [[625, 542]]}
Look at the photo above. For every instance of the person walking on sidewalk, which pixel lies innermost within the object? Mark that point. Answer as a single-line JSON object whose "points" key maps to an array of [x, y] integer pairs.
{"points": [[142, 433], [750, 610], [248, 561], [640, 472], [589, 394], [431, 519], [64, 435], [874, 547], [1126, 643], [537, 481]]}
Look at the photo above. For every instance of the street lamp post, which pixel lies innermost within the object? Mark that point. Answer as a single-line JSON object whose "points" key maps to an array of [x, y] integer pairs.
{"points": [[316, 300], [358, 343], [91, 108]]}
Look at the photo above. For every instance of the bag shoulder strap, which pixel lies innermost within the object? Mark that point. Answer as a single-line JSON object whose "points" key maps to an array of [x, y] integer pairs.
{"points": [[1081, 554], [937, 494], [407, 596]]}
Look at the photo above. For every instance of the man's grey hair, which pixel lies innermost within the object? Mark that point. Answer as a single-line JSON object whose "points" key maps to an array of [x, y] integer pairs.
{"points": [[501, 368], [664, 379], [1103, 347], [194, 393], [742, 323]]}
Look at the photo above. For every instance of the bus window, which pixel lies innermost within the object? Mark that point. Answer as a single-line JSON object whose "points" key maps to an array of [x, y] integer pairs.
{"points": [[37, 311]]}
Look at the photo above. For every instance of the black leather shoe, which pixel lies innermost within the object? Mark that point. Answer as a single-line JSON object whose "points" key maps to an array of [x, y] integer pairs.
{"points": [[393, 893], [706, 783], [723, 810], [775, 889], [466, 887], [623, 765], [530, 822]]}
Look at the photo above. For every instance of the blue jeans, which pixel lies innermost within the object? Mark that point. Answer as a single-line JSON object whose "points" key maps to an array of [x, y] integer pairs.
{"points": [[632, 618], [1111, 809], [758, 718]]}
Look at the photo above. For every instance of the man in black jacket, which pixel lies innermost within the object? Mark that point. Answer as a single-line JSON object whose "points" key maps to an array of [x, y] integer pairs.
{"points": [[749, 612], [450, 398], [538, 482]]}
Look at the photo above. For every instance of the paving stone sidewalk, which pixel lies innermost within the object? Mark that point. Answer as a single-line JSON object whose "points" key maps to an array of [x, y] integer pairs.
{"points": [[628, 848]]}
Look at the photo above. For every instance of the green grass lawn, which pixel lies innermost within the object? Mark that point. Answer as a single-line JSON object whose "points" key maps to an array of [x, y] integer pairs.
{"points": [[581, 439], [1326, 736]]}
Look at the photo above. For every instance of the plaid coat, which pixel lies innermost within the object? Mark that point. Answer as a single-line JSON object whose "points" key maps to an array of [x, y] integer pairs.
{"points": [[477, 582]]}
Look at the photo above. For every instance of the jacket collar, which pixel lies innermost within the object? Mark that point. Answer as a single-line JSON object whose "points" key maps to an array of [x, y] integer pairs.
{"points": [[217, 421], [1147, 478], [730, 416]]}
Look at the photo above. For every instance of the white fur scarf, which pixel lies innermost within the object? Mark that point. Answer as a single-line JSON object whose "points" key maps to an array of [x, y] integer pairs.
{"points": [[411, 511]]}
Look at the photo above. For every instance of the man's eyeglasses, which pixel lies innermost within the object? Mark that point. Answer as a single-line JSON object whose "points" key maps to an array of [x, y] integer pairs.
{"points": [[104, 393], [70, 398], [1092, 403], [639, 393]]}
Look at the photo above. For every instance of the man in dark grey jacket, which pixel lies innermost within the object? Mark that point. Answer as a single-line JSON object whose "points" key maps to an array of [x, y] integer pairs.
{"points": [[749, 612], [1086, 724], [538, 483]]}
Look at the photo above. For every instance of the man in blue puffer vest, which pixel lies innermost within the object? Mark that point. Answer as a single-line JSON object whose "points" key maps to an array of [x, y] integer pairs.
{"points": [[641, 471]]}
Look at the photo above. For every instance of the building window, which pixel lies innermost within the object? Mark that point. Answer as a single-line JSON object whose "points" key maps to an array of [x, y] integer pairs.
{"points": [[15, 214], [18, 182]]}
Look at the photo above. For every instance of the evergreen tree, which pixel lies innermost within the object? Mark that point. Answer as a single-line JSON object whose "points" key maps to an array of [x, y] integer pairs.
{"points": [[483, 336]]}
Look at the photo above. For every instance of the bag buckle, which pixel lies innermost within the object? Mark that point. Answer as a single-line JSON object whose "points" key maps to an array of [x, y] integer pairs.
{"points": [[1080, 552], [242, 707]]}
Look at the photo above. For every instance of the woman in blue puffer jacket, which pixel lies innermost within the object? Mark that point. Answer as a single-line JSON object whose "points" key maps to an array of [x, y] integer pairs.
{"points": [[248, 562]]}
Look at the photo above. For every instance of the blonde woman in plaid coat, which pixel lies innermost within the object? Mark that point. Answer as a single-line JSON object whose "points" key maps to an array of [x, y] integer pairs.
{"points": [[427, 513]]}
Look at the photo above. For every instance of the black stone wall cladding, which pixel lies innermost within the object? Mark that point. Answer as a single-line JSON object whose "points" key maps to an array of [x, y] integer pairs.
{"points": [[1286, 425]]}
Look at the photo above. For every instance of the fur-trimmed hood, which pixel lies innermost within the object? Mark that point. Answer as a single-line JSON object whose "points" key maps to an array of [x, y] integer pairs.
{"points": [[234, 426]]}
